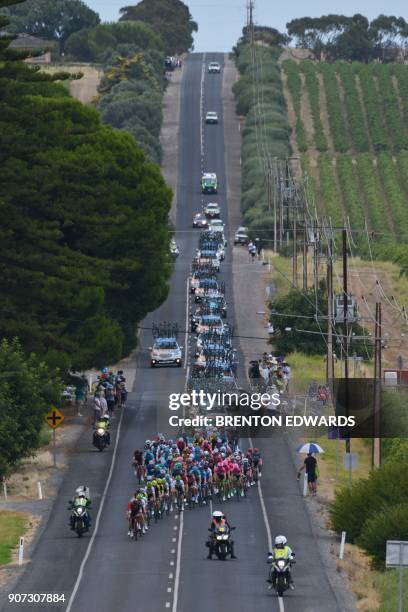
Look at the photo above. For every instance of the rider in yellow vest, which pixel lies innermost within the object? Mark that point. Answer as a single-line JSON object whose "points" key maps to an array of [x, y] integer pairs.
{"points": [[282, 551]]}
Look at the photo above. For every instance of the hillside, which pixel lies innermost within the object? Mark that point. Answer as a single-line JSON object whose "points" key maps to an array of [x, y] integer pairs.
{"points": [[350, 128]]}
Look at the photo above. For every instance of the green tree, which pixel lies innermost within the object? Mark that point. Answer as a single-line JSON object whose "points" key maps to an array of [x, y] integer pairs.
{"points": [[27, 391], [96, 44], [51, 19], [295, 317], [171, 19], [84, 232]]}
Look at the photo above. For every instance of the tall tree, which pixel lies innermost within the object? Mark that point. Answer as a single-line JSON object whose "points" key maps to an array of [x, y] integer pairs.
{"points": [[51, 19], [84, 232], [169, 18]]}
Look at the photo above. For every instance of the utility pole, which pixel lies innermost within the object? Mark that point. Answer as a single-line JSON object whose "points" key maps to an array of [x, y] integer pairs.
{"points": [[294, 255], [251, 14], [329, 358], [345, 304], [305, 253], [345, 340], [376, 457], [275, 205]]}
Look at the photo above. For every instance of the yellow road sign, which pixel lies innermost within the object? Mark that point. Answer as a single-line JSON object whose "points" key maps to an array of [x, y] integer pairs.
{"points": [[54, 418]]}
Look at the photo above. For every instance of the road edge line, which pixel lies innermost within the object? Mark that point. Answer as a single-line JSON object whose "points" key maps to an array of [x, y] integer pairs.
{"points": [[97, 521]]}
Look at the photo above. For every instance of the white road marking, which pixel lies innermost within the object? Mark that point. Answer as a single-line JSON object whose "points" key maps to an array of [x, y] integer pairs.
{"points": [[98, 519], [267, 527], [173, 550], [172, 563], [180, 533], [168, 604], [178, 566], [202, 113], [170, 576], [169, 589], [186, 328], [173, 539]]}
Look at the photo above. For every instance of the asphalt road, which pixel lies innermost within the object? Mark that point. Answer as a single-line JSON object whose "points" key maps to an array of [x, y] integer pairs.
{"points": [[167, 569]]}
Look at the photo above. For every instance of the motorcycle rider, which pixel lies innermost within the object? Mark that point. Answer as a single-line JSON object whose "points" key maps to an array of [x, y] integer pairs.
{"points": [[102, 423], [282, 551], [80, 499], [218, 520]]}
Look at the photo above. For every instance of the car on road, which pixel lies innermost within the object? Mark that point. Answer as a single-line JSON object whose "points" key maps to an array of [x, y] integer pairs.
{"points": [[211, 117], [241, 236], [214, 68], [166, 351], [200, 220], [216, 225], [212, 210], [209, 322], [209, 182]]}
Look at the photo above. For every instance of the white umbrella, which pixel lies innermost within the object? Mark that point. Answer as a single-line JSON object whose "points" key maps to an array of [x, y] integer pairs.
{"points": [[310, 447]]}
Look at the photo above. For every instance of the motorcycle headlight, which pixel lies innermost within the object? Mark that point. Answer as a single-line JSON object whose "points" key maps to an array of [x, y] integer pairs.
{"points": [[281, 564], [225, 537], [219, 537], [79, 510], [100, 431]]}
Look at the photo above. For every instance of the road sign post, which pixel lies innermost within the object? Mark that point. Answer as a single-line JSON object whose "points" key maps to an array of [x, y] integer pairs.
{"points": [[397, 556], [54, 419]]}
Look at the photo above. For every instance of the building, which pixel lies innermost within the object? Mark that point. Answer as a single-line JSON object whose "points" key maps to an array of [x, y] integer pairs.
{"points": [[28, 43]]}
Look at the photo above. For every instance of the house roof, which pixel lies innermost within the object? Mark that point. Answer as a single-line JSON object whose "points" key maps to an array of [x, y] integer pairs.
{"points": [[26, 41]]}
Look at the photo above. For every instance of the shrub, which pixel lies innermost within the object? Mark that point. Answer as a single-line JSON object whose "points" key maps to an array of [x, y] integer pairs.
{"points": [[384, 488], [391, 524], [259, 96]]}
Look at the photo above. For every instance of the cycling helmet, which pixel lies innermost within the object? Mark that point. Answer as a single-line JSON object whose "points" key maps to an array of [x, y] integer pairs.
{"points": [[178, 477], [280, 541], [218, 514]]}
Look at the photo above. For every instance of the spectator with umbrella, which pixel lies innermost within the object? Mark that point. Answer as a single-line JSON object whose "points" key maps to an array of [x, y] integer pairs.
{"points": [[310, 465]]}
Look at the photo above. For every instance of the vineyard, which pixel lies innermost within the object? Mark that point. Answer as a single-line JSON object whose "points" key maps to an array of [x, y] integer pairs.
{"points": [[355, 148]]}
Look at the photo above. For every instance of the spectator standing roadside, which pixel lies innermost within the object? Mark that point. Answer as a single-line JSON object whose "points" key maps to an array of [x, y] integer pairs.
{"points": [[110, 399], [97, 406], [312, 471]]}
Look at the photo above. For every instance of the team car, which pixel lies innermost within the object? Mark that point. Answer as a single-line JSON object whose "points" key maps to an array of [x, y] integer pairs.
{"points": [[214, 68], [166, 351], [211, 117], [241, 236], [200, 220], [209, 182], [216, 225], [212, 210]]}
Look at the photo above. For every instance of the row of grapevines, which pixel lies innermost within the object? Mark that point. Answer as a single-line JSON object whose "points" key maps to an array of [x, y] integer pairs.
{"points": [[403, 176], [395, 125], [350, 191], [309, 70], [374, 196], [395, 197], [373, 108], [355, 116], [294, 81], [310, 182], [333, 102], [328, 189], [401, 73]]}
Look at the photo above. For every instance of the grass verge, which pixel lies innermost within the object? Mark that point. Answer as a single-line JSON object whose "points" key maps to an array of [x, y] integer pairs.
{"points": [[12, 526]]}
